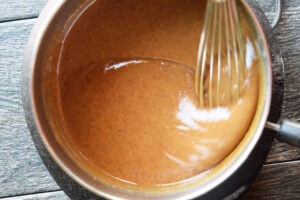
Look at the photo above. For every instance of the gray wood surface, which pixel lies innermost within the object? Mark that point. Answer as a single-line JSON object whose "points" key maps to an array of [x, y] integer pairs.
{"points": [[21, 170], [20, 9], [23, 174]]}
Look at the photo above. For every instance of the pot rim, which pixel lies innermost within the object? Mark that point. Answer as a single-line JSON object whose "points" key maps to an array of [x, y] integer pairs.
{"points": [[32, 49]]}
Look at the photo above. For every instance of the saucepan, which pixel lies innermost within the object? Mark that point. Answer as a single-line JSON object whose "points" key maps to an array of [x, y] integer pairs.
{"points": [[62, 13]]}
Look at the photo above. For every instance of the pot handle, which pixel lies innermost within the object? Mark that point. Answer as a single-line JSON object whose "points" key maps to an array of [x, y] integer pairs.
{"points": [[287, 131], [278, 13]]}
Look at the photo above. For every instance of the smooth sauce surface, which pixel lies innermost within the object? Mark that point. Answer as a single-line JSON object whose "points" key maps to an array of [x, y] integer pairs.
{"points": [[133, 120]]}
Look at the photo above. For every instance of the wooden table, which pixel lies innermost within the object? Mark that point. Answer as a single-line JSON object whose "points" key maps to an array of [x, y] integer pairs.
{"points": [[23, 175]]}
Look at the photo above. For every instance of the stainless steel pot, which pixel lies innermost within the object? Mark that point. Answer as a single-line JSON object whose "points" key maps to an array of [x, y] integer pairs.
{"points": [[54, 14]]}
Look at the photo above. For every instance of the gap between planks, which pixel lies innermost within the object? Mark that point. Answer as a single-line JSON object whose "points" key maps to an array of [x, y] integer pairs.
{"points": [[296, 161], [29, 194], [13, 20]]}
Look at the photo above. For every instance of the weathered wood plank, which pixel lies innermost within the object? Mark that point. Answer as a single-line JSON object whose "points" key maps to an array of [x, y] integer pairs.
{"points": [[281, 152], [44, 196], [20, 9], [276, 181], [21, 170]]}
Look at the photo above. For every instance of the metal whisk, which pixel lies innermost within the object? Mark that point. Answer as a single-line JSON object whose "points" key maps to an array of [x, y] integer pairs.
{"points": [[220, 54]]}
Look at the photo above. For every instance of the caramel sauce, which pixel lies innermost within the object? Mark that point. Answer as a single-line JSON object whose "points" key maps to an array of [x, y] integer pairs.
{"points": [[126, 102]]}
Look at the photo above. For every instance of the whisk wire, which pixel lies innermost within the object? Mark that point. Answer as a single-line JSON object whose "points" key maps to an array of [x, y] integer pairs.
{"points": [[203, 52], [239, 40], [201, 44], [219, 55], [219, 12], [233, 28], [211, 69], [228, 51]]}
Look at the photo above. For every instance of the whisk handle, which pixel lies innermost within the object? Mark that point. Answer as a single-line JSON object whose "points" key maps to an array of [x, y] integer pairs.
{"points": [[287, 131]]}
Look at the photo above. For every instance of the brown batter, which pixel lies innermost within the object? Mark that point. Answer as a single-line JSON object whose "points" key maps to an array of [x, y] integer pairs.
{"points": [[132, 118]]}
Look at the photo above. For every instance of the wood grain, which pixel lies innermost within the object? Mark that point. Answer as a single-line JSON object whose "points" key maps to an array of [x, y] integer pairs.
{"points": [[21, 170], [281, 152], [20, 9], [276, 181]]}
